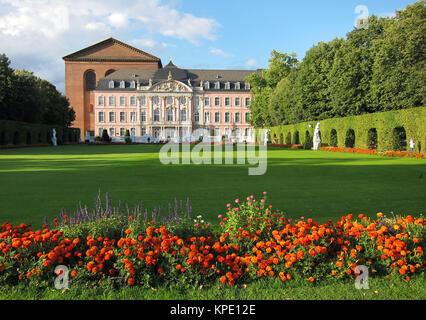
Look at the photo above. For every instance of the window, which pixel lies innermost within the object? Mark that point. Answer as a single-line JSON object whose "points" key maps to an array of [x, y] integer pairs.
{"points": [[237, 86], [111, 101], [207, 102], [100, 131], [217, 102], [238, 102], [182, 100], [156, 100], [112, 117], [122, 132], [143, 116], [207, 117], [169, 100], [132, 116], [101, 117], [227, 117], [237, 117], [217, 132], [207, 85], [217, 85], [196, 117], [183, 115], [169, 114], [227, 102], [133, 101], [248, 102], [122, 101], [133, 84], [227, 132], [143, 131], [101, 100], [122, 116], [247, 115], [90, 79], [217, 117], [132, 131], [111, 132], [156, 115], [247, 132], [237, 132], [111, 84], [143, 100], [247, 86], [227, 85], [122, 84]]}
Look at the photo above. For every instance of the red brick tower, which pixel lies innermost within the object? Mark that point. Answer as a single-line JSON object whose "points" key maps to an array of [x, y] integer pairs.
{"points": [[85, 67]]}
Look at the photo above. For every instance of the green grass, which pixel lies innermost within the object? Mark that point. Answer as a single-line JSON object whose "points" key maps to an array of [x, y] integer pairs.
{"points": [[38, 182], [379, 289]]}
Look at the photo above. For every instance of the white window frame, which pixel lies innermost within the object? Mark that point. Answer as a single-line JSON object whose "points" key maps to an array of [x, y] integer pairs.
{"points": [[122, 101], [229, 102], [111, 84], [101, 101], [133, 101], [217, 116], [111, 98], [122, 84], [229, 117], [239, 101], [122, 119], [217, 104], [109, 117], [103, 117]]}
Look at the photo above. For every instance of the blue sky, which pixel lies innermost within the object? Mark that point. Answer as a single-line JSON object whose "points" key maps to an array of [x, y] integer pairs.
{"points": [[197, 34]]}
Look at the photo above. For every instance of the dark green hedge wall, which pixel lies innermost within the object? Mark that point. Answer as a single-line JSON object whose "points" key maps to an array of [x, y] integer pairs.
{"points": [[22, 133]]}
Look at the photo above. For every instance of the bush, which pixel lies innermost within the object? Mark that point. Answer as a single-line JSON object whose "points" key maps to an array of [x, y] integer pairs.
{"points": [[254, 242], [105, 136], [387, 125], [17, 133]]}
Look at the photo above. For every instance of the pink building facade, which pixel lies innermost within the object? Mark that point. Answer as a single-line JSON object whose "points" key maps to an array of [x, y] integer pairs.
{"points": [[171, 103]]}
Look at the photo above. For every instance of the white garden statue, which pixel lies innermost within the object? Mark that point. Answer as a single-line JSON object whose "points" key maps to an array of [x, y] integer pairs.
{"points": [[54, 137], [265, 138], [317, 137]]}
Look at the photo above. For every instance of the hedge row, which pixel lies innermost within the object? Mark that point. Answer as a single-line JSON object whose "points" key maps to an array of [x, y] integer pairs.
{"points": [[383, 131], [22, 133]]}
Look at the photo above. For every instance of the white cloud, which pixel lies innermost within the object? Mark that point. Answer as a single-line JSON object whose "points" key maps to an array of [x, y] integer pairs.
{"points": [[118, 20], [36, 34], [251, 63], [220, 52]]}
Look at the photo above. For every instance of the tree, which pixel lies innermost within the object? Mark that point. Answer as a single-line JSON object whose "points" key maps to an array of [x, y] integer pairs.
{"points": [[398, 74]]}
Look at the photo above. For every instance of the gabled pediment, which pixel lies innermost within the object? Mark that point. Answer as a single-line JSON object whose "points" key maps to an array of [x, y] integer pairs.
{"points": [[171, 86], [111, 50]]}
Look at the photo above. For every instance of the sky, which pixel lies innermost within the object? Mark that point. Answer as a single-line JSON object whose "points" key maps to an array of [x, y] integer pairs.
{"points": [[197, 34]]}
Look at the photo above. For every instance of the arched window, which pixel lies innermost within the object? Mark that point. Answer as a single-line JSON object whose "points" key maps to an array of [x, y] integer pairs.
{"points": [[109, 72], [90, 80], [157, 115], [183, 115]]}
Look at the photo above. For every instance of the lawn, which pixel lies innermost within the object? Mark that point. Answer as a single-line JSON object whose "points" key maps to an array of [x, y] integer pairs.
{"points": [[38, 182]]}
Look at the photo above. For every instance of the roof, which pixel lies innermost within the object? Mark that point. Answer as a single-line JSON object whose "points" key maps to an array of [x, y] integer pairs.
{"points": [[195, 75], [94, 53]]}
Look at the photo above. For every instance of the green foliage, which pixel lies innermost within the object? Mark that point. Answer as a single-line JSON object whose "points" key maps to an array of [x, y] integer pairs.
{"points": [[105, 136], [16, 133], [380, 68], [25, 97], [388, 130]]}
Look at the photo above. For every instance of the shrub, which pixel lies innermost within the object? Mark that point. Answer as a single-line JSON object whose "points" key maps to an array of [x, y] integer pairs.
{"points": [[254, 241], [105, 136]]}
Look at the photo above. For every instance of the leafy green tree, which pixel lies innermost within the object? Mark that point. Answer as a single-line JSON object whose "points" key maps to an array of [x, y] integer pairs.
{"points": [[398, 73]]}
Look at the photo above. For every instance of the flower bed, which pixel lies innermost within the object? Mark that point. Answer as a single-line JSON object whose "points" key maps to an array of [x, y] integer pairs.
{"points": [[290, 146], [400, 154], [252, 241]]}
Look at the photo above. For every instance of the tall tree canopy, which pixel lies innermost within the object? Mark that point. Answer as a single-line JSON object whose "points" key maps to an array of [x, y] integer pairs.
{"points": [[379, 68], [25, 97]]}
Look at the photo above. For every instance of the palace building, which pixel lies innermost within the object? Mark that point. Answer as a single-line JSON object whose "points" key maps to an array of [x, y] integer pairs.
{"points": [[117, 87]]}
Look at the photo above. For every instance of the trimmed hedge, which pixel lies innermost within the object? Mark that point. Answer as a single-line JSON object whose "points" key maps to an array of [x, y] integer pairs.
{"points": [[22, 133], [386, 136]]}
